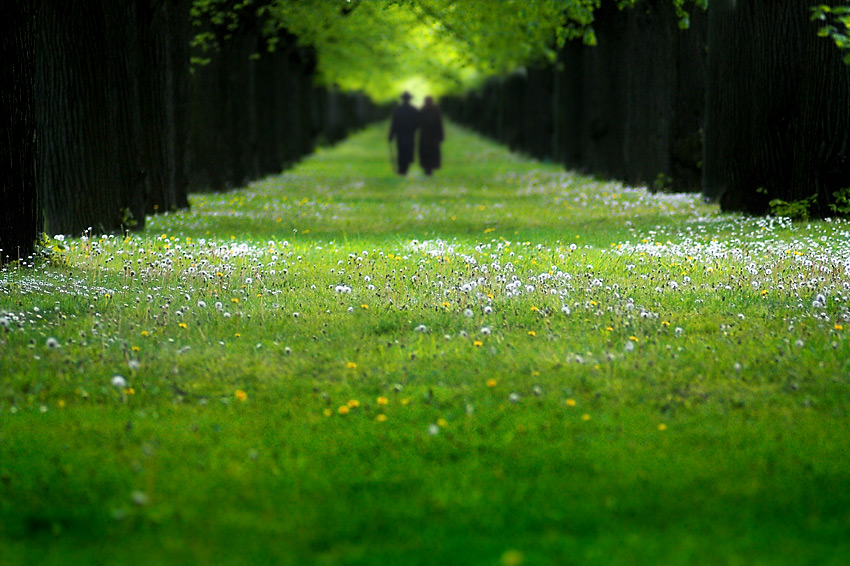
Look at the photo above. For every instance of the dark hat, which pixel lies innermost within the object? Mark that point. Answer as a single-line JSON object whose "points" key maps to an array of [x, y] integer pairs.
{"points": [[406, 95]]}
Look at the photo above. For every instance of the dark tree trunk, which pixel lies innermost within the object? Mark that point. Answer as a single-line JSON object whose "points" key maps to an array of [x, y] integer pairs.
{"points": [[778, 117], [649, 89], [571, 104], [20, 213], [164, 34], [90, 154], [604, 96]]}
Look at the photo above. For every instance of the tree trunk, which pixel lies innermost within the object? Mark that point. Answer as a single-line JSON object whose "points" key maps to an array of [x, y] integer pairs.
{"points": [[87, 107], [778, 118], [604, 96], [164, 33], [20, 213]]}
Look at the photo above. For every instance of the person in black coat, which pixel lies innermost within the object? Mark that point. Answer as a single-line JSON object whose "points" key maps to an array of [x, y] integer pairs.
{"points": [[403, 127], [430, 136]]}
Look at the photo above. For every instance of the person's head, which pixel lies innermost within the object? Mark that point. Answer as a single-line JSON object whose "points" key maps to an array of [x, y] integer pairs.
{"points": [[405, 97], [429, 101]]}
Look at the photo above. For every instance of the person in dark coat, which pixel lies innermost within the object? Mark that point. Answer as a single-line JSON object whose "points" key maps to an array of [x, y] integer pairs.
{"points": [[403, 127], [430, 136]]}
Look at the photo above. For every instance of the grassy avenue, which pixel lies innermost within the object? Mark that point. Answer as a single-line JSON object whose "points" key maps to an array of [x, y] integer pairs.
{"points": [[504, 364]]}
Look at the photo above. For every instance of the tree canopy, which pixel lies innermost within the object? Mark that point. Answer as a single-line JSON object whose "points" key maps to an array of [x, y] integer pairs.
{"points": [[436, 47]]}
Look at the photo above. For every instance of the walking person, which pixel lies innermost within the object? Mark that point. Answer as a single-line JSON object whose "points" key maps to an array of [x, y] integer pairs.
{"points": [[430, 136], [405, 121]]}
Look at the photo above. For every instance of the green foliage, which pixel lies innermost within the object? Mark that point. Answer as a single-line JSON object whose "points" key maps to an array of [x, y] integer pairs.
{"points": [[426, 46], [795, 210], [835, 25], [841, 204], [662, 184]]}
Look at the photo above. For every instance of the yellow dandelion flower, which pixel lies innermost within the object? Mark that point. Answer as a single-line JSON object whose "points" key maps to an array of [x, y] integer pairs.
{"points": [[130, 391], [61, 403], [343, 409], [477, 343], [532, 333], [633, 338], [442, 423], [364, 306], [571, 402], [609, 329], [183, 325], [353, 403], [405, 401], [534, 309], [234, 300], [665, 323], [662, 427], [351, 365], [145, 333], [383, 401], [237, 335], [240, 395], [136, 349], [381, 418], [838, 327], [492, 383], [327, 412], [585, 417]]}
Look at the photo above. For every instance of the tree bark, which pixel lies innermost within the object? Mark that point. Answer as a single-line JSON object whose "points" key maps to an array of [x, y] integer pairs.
{"points": [[20, 213], [778, 118], [91, 159], [164, 32]]}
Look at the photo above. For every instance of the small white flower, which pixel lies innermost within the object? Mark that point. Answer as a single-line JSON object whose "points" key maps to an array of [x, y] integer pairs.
{"points": [[630, 346], [421, 328], [565, 309], [133, 365], [201, 304], [119, 382], [433, 430], [513, 398], [488, 309], [468, 313], [52, 342], [678, 330], [485, 331]]}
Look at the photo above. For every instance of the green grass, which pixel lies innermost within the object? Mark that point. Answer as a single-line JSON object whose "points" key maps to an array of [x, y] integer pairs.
{"points": [[506, 363]]}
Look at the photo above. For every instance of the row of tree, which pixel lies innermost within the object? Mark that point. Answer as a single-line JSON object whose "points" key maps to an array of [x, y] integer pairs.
{"points": [[108, 122], [749, 105]]}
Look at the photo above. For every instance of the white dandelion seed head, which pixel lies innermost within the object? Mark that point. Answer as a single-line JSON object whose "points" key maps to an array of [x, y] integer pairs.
{"points": [[119, 382], [468, 313], [514, 398], [433, 430], [133, 365], [630, 346]]}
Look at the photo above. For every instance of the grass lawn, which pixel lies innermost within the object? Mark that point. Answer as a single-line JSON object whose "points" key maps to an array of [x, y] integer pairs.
{"points": [[504, 364]]}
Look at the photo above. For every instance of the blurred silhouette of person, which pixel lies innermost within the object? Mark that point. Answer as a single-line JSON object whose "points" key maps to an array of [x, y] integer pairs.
{"points": [[403, 127], [430, 136]]}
